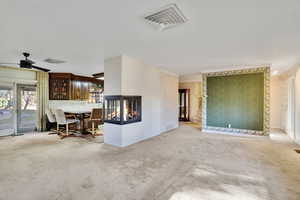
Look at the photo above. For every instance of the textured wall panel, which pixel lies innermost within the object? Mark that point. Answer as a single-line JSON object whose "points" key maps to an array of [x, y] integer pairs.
{"points": [[266, 101], [236, 100]]}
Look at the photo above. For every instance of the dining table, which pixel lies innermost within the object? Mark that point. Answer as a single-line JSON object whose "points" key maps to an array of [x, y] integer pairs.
{"points": [[81, 115]]}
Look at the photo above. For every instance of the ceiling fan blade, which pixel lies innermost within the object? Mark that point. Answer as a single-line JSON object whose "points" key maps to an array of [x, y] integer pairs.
{"points": [[40, 68], [8, 63]]}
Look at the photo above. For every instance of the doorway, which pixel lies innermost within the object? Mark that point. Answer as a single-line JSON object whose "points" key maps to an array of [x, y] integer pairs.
{"points": [[18, 108], [184, 104]]}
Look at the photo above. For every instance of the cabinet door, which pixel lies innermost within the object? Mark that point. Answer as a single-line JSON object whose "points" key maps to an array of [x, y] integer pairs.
{"points": [[59, 89], [80, 90], [76, 90], [84, 90]]}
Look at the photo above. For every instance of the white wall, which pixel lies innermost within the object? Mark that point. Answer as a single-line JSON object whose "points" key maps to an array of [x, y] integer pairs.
{"points": [[169, 102], [297, 107], [159, 92], [283, 105], [141, 79], [197, 77], [113, 71], [276, 93], [287, 111]]}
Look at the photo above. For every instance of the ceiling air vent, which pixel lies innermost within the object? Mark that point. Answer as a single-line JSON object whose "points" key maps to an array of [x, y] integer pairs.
{"points": [[54, 61], [166, 17]]}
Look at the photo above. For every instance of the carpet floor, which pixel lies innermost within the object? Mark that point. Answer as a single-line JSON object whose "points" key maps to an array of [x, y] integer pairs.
{"points": [[183, 164]]}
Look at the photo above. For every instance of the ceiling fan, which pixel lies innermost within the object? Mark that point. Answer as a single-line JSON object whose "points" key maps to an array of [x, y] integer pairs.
{"points": [[28, 63]]}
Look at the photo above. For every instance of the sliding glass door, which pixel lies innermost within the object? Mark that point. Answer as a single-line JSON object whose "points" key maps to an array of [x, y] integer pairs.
{"points": [[18, 108], [26, 108], [7, 102]]}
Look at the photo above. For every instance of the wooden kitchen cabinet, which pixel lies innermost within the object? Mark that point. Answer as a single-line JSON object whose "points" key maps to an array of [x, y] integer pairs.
{"points": [[76, 87], [59, 86], [67, 86]]}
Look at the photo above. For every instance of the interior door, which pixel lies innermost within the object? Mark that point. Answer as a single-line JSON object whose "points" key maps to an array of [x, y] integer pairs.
{"points": [[7, 102], [26, 108], [184, 105]]}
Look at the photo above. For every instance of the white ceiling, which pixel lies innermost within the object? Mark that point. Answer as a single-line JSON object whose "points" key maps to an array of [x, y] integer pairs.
{"points": [[219, 34]]}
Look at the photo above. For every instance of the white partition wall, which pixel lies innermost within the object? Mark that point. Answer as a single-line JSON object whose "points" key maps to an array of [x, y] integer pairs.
{"points": [[159, 91]]}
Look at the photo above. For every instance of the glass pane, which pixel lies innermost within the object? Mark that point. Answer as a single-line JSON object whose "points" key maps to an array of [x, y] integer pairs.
{"points": [[6, 110], [105, 110], [118, 107], [125, 109], [107, 106], [27, 107], [112, 109]]}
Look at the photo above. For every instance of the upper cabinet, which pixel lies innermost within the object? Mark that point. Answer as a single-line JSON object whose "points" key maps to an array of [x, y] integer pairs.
{"points": [[60, 86], [67, 86]]}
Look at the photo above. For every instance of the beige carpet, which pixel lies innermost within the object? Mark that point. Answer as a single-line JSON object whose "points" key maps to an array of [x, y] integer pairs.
{"points": [[183, 164]]}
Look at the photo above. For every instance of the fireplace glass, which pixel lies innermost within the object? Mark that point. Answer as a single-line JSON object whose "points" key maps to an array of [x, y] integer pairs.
{"points": [[122, 109]]}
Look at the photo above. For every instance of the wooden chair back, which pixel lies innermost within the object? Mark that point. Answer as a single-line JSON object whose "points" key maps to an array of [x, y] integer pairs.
{"points": [[96, 114]]}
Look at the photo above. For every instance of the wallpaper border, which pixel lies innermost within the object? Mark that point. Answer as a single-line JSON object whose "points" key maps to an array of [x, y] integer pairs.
{"points": [[266, 117]]}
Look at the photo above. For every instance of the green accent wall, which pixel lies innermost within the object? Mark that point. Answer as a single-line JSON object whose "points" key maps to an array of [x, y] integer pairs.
{"points": [[237, 100]]}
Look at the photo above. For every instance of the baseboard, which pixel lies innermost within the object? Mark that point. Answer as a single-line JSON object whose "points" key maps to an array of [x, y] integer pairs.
{"points": [[277, 129], [234, 130], [297, 142]]}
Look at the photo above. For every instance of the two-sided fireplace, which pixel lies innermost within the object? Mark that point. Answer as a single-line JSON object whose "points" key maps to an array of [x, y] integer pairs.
{"points": [[122, 109]]}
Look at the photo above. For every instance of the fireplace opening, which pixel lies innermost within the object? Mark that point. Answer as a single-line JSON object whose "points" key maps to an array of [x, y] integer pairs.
{"points": [[122, 109]]}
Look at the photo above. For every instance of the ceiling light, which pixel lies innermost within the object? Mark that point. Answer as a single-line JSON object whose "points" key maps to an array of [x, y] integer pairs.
{"points": [[54, 61], [166, 17]]}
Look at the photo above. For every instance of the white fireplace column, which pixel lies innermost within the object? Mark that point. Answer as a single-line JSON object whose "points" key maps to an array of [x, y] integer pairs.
{"points": [[128, 76]]}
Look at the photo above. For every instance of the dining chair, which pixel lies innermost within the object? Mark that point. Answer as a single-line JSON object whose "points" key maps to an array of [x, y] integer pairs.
{"points": [[96, 115], [62, 120], [51, 119]]}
